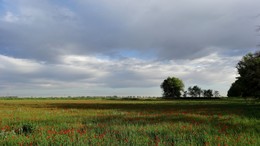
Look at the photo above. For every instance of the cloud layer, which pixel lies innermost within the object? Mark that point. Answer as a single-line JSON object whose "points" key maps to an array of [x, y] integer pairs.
{"points": [[86, 72], [112, 47]]}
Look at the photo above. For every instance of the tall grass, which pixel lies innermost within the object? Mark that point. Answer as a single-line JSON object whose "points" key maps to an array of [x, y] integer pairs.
{"points": [[129, 122]]}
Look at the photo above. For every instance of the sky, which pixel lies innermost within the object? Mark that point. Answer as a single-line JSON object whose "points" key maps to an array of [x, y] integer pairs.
{"points": [[122, 47]]}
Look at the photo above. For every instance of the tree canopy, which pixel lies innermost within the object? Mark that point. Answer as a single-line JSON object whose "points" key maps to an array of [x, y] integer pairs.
{"points": [[248, 83], [172, 87], [208, 93], [235, 89], [195, 91]]}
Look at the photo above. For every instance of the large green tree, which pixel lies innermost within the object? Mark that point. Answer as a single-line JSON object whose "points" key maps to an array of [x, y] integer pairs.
{"points": [[249, 80], [235, 90], [172, 87]]}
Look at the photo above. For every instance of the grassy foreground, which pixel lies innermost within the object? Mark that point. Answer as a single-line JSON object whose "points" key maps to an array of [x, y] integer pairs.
{"points": [[128, 122]]}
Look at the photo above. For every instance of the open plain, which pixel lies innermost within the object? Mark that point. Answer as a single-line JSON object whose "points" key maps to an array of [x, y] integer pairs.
{"points": [[129, 122]]}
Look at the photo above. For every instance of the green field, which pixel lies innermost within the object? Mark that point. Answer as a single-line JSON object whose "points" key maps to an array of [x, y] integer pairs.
{"points": [[129, 122]]}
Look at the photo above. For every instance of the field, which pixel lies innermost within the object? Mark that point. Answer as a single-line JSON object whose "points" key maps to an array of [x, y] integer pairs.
{"points": [[129, 122]]}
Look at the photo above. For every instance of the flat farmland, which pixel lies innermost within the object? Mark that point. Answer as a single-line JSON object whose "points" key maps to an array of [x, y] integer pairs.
{"points": [[129, 122]]}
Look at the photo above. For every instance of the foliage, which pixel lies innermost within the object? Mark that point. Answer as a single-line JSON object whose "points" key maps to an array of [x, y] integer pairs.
{"points": [[172, 87], [185, 94], [134, 122], [216, 93], [27, 128], [249, 80], [194, 91], [235, 90], [208, 93]]}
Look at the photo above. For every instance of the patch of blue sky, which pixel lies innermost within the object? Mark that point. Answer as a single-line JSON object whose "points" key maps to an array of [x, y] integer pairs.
{"points": [[7, 6], [5, 51], [2, 8], [129, 53]]}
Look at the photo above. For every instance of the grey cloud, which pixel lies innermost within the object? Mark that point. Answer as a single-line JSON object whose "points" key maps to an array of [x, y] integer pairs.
{"points": [[170, 29], [15, 71], [177, 29], [125, 78]]}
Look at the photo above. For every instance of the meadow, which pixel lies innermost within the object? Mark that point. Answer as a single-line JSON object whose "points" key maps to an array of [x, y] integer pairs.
{"points": [[51, 122]]}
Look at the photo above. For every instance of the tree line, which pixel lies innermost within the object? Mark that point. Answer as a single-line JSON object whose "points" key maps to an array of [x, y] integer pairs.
{"points": [[174, 88], [196, 91]]}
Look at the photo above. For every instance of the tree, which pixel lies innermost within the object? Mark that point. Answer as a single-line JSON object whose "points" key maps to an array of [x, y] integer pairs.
{"points": [[216, 94], [249, 80], [191, 92], [195, 91], [172, 87], [208, 93], [185, 93], [235, 90]]}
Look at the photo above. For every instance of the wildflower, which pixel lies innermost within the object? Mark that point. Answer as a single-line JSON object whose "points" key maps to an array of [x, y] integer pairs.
{"points": [[157, 140], [126, 140], [183, 127], [206, 143]]}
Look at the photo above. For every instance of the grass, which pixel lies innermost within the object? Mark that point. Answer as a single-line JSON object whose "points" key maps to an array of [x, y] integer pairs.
{"points": [[129, 122]]}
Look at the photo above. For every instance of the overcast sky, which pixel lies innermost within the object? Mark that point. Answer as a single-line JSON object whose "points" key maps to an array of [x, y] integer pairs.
{"points": [[122, 47]]}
